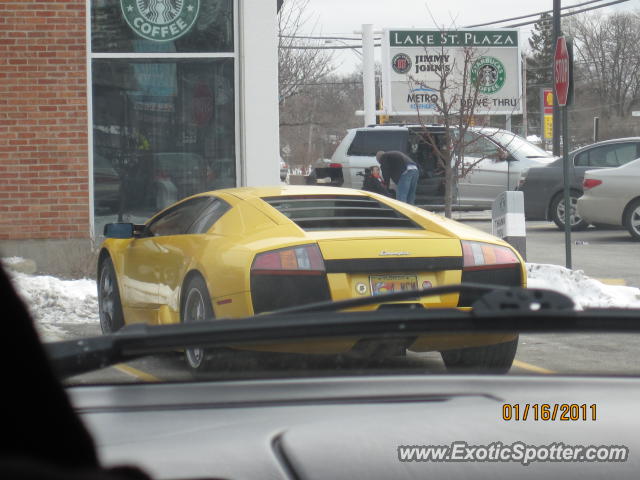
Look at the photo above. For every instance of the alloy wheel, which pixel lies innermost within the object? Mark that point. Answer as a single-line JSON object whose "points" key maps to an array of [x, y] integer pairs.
{"points": [[107, 300], [194, 312], [574, 218], [635, 220]]}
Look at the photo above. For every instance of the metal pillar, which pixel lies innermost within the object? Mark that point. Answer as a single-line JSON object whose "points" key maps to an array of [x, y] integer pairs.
{"points": [[368, 75]]}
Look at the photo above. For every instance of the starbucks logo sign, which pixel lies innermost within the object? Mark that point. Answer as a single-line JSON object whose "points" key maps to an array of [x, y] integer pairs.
{"points": [[160, 20], [488, 74]]}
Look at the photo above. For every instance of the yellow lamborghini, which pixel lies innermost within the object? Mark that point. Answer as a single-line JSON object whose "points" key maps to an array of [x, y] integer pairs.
{"points": [[243, 251]]}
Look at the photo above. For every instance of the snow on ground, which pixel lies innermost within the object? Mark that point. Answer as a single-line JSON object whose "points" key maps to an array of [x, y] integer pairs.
{"points": [[12, 260], [585, 291], [54, 302]]}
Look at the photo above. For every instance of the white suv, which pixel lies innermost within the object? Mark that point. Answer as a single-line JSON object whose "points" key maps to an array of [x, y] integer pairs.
{"points": [[491, 175]]}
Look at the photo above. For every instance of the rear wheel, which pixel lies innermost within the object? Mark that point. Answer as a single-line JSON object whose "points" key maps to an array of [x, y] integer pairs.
{"points": [[632, 219], [109, 305], [557, 211], [196, 307], [489, 359]]}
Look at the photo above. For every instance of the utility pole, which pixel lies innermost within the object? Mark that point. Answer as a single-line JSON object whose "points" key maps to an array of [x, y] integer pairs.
{"points": [[525, 123], [556, 109], [368, 75]]}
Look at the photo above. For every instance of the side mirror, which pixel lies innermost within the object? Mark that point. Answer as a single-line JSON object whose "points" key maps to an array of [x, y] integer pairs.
{"points": [[118, 230]]}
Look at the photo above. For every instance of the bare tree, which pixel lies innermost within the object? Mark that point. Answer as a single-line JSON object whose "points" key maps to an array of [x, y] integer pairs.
{"points": [[313, 122], [608, 59], [301, 61], [454, 106]]}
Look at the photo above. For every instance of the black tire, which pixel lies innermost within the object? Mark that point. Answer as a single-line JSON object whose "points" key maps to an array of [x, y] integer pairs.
{"points": [[109, 304], [631, 219], [489, 359], [557, 211], [196, 307]]}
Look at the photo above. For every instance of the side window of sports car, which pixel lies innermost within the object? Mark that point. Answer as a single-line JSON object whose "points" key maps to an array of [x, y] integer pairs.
{"points": [[177, 220], [209, 215]]}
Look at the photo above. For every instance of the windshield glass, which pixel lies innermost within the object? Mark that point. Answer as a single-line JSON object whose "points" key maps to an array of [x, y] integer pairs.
{"points": [[319, 239], [518, 145], [158, 172]]}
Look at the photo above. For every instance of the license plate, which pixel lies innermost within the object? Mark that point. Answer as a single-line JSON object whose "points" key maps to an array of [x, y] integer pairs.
{"points": [[392, 283]]}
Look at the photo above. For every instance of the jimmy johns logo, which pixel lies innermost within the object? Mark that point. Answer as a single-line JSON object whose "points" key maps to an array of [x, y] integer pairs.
{"points": [[160, 20], [401, 63]]}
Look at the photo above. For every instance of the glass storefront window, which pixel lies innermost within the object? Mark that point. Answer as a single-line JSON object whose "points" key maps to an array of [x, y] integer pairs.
{"points": [[162, 130], [153, 26]]}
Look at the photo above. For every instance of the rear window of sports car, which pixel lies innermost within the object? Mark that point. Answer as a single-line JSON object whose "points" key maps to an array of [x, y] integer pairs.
{"points": [[336, 212]]}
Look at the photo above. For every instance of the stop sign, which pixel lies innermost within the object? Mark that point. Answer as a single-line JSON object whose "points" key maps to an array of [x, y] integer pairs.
{"points": [[561, 71]]}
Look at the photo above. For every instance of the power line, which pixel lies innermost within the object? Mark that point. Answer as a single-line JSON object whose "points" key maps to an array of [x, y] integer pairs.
{"points": [[324, 37], [613, 2], [531, 14], [324, 47], [569, 14]]}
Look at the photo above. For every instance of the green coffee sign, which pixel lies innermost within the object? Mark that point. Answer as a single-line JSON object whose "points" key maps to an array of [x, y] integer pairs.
{"points": [[160, 20], [488, 74], [452, 38]]}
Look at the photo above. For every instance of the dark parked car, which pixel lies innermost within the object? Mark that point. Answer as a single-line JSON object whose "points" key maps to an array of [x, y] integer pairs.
{"points": [[543, 186]]}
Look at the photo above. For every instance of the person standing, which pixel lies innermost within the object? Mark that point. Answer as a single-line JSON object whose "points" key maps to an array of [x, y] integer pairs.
{"points": [[403, 171]]}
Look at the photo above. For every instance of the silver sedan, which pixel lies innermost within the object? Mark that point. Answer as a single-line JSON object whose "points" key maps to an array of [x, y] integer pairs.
{"points": [[612, 197]]}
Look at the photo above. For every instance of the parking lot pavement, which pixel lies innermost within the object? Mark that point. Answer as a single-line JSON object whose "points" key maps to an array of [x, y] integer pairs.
{"points": [[608, 255]]}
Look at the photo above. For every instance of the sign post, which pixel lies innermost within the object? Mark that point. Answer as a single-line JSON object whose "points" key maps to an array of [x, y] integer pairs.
{"points": [[562, 70], [507, 220]]}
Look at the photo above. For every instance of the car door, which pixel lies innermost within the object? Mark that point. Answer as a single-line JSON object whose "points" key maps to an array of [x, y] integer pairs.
{"points": [[177, 249], [487, 173], [152, 263], [430, 188], [361, 153]]}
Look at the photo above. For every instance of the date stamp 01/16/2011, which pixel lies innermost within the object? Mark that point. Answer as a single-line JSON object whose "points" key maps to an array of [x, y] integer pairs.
{"points": [[549, 412]]}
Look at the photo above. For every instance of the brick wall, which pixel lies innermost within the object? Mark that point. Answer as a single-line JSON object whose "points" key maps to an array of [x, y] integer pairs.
{"points": [[44, 178]]}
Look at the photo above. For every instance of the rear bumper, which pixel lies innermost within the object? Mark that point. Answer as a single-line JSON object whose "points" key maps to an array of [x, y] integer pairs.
{"points": [[604, 211]]}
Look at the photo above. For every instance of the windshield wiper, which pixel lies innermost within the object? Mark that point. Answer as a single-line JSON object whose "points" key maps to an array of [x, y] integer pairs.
{"points": [[501, 310]]}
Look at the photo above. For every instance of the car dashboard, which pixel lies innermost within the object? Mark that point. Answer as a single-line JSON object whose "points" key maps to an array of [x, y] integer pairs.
{"points": [[351, 427]]}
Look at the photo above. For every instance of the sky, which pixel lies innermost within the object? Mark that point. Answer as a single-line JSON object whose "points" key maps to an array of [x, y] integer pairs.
{"points": [[347, 16]]}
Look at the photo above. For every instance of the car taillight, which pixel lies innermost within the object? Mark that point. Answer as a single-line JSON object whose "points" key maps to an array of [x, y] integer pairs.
{"points": [[482, 256], [335, 165], [301, 260], [590, 183], [489, 265], [288, 277]]}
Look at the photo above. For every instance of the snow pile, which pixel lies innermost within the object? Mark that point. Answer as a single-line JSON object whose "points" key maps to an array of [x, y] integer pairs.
{"points": [[54, 301], [8, 261], [585, 291], [534, 139]]}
